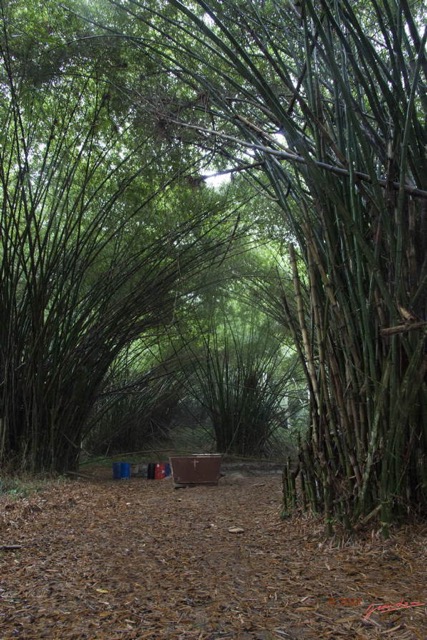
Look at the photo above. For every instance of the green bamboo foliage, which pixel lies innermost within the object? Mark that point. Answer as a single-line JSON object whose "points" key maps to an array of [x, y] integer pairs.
{"points": [[90, 258], [329, 97], [133, 409], [246, 384]]}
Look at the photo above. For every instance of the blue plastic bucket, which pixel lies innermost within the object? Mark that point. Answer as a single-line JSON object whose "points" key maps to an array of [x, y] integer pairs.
{"points": [[125, 470], [121, 470]]}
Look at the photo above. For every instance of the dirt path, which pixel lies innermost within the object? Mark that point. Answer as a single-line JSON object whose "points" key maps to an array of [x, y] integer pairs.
{"points": [[137, 559]]}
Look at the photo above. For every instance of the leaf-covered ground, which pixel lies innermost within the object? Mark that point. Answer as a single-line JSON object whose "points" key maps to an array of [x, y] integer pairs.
{"points": [[104, 559]]}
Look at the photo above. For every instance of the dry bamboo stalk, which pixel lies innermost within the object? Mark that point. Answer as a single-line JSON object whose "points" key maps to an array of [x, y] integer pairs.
{"points": [[412, 190], [403, 328], [311, 242], [326, 419], [303, 327]]}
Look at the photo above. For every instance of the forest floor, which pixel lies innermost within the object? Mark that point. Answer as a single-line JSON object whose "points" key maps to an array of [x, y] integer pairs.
{"points": [[135, 559]]}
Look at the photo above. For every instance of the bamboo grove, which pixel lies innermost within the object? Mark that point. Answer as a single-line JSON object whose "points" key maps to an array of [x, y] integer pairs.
{"points": [[92, 253], [323, 104], [320, 106]]}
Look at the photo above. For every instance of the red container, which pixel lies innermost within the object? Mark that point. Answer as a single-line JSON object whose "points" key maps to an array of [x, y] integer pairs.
{"points": [[196, 469], [160, 471]]}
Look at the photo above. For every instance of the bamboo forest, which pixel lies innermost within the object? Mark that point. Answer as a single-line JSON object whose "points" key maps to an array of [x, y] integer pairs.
{"points": [[215, 214], [213, 319]]}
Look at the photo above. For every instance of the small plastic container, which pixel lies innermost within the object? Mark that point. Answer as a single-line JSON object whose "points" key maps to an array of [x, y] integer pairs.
{"points": [[158, 470], [125, 471], [121, 470]]}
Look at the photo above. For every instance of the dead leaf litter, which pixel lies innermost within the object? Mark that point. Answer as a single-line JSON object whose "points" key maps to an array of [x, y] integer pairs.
{"points": [[135, 560]]}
